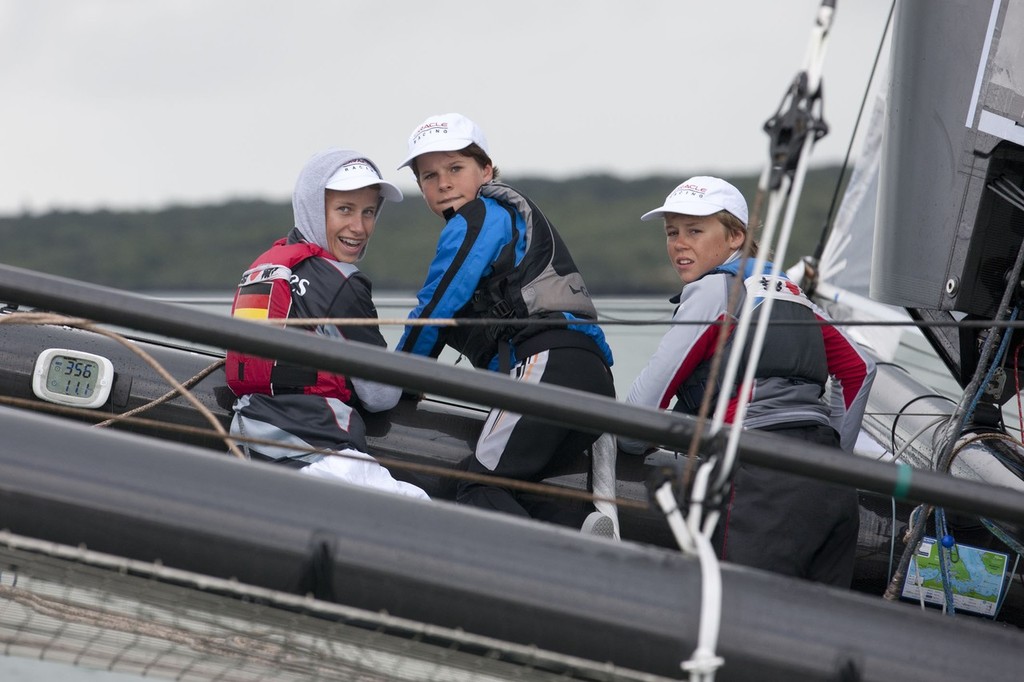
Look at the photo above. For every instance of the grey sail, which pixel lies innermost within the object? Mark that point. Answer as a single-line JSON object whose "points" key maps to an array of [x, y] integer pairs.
{"points": [[946, 239]]}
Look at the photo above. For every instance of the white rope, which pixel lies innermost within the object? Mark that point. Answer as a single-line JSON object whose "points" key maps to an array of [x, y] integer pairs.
{"points": [[676, 523], [694, 539], [760, 330], [917, 434], [694, 534], [791, 189]]}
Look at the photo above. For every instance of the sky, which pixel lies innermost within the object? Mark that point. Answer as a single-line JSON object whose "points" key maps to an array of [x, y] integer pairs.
{"points": [[123, 104]]}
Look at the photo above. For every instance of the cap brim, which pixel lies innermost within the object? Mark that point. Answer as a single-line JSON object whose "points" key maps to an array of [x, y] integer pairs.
{"points": [[692, 207], [445, 144], [387, 190], [651, 215]]}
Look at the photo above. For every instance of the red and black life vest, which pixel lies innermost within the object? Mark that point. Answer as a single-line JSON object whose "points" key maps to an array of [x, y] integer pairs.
{"points": [[265, 293]]}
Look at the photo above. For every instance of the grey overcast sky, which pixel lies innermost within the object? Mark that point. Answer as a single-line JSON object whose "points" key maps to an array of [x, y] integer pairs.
{"points": [[140, 104]]}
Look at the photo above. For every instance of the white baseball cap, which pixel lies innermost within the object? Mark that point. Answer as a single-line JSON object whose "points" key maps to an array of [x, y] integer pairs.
{"points": [[359, 173], [702, 195], [444, 133]]}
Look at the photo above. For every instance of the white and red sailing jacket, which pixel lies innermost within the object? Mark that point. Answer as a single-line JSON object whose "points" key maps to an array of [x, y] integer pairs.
{"points": [[795, 365]]}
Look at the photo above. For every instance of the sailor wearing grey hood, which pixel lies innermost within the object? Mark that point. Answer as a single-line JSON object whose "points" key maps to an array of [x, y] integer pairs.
{"points": [[311, 273]]}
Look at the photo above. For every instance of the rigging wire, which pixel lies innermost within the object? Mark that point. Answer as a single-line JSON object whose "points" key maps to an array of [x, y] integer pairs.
{"points": [[827, 228], [601, 321], [902, 411], [1016, 385], [898, 454], [942, 538], [995, 365]]}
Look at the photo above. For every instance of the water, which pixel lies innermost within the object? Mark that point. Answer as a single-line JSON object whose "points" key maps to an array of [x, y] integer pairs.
{"points": [[631, 345]]}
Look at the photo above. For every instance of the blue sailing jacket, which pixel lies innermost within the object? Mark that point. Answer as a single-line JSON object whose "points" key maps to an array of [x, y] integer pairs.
{"points": [[498, 256]]}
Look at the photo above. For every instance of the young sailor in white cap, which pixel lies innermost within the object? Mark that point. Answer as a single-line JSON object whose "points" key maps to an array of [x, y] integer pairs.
{"points": [[498, 257], [775, 521], [311, 273]]}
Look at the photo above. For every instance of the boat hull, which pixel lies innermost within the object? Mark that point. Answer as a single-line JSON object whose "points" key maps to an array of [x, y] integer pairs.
{"points": [[628, 604]]}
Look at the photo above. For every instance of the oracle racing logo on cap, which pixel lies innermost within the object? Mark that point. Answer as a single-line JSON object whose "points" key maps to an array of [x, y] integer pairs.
{"points": [[430, 128], [358, 165], [689, 189]]}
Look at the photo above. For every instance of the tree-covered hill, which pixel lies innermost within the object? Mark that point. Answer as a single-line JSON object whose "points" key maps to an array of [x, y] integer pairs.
{"points": [[205, 248]]}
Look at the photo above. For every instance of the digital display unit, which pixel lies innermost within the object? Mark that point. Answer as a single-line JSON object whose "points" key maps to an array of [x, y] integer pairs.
{"points": [[71, 377]]}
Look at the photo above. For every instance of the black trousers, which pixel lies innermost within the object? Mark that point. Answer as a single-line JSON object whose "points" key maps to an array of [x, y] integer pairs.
{"points": [[791, 524], [524, 448]]}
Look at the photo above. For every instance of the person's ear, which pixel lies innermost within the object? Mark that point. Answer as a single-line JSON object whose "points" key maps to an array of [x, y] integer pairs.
{"points": [[736, 238]]}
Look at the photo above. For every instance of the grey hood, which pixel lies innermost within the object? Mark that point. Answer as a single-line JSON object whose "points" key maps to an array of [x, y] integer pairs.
{"points": [[308, 197]]}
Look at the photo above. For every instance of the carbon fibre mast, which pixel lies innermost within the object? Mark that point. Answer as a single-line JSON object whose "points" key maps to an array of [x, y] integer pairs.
{"points": [[945, 165]]}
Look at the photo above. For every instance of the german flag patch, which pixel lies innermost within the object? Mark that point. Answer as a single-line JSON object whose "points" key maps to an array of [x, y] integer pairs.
{"points": [[253, 301]]}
